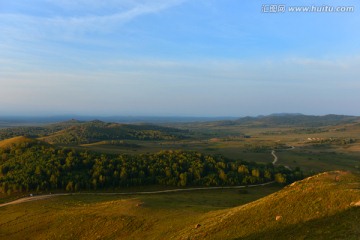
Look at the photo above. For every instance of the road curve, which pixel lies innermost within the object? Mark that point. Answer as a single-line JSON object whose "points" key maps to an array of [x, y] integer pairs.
{"points": [[40, 197], [276, 157]]}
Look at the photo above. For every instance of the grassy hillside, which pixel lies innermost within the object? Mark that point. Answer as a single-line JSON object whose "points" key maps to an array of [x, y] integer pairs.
{"points": [[325, 206], [78, 132], [116, 217], [35, 130], [95, 131], [15, 141]]}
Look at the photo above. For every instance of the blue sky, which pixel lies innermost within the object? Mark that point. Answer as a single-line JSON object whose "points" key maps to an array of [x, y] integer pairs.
{"points": [[177, 57]]}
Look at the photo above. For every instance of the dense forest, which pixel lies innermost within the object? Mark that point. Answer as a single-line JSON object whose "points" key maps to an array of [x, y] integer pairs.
{"points": [[37, 166]]}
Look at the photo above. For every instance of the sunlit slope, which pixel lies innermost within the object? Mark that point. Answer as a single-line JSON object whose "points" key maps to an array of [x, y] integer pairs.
{"points": [[16, 141], [326, 206], [56, 220], [147, 216]]}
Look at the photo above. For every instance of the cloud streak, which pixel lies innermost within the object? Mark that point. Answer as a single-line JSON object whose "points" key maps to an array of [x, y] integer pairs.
{"points": [[26, 25]]}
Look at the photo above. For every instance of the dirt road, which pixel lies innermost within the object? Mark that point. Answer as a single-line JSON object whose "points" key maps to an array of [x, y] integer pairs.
{"points": [[40, 197], [276, 157]]}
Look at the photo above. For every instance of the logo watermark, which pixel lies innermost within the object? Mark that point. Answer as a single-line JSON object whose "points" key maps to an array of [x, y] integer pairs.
{"points": [[282, 8]]}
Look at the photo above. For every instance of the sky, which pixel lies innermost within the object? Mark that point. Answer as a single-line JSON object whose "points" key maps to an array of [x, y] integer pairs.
{"points": [[178, 58]]}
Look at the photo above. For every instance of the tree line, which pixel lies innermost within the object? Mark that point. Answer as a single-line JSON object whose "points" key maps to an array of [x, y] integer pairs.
{"points": [[41, 167]]}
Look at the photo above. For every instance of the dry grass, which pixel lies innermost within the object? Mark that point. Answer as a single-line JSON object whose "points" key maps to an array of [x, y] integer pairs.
{"points": [[15, 140], [314, 200], [320, 207], [117, 217]]}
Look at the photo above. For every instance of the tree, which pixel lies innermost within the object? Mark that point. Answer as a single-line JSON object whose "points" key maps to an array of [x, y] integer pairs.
{"points": [[267, 174], [223, 176], [53, 181], [255, 173], [183, 179], [280, 178], [69, 186], [243, 169]]}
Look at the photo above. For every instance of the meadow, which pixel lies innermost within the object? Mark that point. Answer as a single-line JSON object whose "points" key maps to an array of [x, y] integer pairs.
{"points": [[116, 216], [323, 206]]}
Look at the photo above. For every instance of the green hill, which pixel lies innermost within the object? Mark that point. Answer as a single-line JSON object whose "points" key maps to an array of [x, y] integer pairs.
{"points": [[78, 132], [21, 140], [96, 131], [325, 206], [37, 131]]}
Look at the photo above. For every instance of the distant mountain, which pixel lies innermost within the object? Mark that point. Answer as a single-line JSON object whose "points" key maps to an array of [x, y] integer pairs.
{"points": [[285, 114], [36, 131], [74, 131], [284, 119], [95, 131], [31, 121]]}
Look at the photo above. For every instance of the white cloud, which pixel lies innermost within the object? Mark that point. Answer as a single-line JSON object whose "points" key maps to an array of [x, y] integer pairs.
{"points": [[79, 16]]}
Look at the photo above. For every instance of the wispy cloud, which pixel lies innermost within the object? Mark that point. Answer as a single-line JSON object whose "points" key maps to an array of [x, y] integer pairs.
{"points": [[98, 22], [71, 21]]}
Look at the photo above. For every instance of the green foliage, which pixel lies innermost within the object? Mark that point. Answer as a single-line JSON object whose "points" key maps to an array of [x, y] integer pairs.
{"points": [[75, 132], [44, 167]]}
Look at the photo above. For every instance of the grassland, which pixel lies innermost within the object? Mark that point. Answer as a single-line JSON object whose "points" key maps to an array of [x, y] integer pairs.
{"points": [[320, 207], [249, 139], [310, 155], [130, 217]]}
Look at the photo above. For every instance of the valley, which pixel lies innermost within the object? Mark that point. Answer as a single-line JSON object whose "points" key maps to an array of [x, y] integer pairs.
{"points": [[100, 180]]}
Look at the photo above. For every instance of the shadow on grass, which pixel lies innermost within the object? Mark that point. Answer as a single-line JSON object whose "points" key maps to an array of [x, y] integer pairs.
{"points": [[344, 225]]}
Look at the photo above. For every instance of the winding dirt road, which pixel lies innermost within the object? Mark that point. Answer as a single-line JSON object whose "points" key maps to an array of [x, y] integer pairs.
{"points": [[276, 157], [40, 197]]}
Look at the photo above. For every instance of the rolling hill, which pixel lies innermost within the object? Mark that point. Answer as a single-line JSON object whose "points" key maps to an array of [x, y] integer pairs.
{"points": [[37, 131], [298, 120], [325, 206], [78, 132], [95, 131], [21, 140]]}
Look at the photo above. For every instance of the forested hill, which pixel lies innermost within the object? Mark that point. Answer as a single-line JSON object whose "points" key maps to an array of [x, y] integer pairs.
{"points": [[87, 132], [31, 165]]}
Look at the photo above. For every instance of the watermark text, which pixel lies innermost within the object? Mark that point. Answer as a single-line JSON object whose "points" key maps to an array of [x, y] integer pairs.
{"points": [[282, 8]]}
